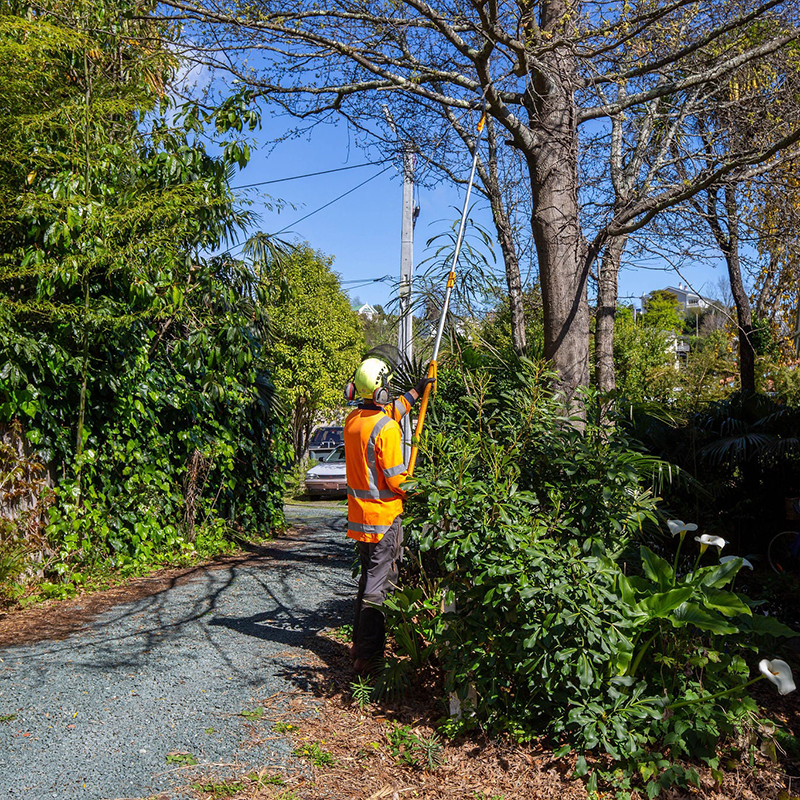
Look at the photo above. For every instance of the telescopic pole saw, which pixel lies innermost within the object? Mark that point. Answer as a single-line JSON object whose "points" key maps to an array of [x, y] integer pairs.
{"points": [[451, 280]]}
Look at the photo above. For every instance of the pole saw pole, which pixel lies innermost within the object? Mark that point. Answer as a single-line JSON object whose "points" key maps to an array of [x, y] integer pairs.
{"points": [[451, 280]]}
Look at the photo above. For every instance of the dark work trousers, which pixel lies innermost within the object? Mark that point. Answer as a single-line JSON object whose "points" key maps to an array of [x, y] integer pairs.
{"points": [[380, 563]]}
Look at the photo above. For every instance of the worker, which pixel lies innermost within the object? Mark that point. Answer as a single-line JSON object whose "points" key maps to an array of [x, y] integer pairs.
{"points": [[375, 472]]}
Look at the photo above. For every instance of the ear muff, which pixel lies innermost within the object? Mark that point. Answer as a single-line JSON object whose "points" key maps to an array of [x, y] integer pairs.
{"points": [[381, 395], [350, 391]]}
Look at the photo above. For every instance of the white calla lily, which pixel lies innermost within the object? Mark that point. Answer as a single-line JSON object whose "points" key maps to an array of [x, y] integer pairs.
{"points": [[678, 526], [779, 673], [745, 562], [707, 541]]}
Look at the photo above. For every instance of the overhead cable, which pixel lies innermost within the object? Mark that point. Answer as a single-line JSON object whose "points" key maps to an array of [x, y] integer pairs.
{"points": [[369, 280], [316, 211], [335, 200], [311, 174]]}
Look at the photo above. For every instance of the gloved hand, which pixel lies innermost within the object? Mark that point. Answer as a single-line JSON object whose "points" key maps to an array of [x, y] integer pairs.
{"points": [[423, 382]]}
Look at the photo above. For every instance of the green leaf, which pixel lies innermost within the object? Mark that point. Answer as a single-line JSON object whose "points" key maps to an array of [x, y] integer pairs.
{"points": [[626, 590], [692, 614], [727, 603], [766, 626], [716, 576], [585, 672], [657, 569], [662, 603]]}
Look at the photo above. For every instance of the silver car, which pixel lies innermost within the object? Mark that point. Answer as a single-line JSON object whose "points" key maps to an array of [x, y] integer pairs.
{"points": [[329, 477], [325, 439]]}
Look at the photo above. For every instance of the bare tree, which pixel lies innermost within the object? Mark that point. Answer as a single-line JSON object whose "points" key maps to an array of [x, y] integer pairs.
{"points": [[542, 70], [774, 211], [722, 213], [501, 190], [639, 149], [737, 122]]}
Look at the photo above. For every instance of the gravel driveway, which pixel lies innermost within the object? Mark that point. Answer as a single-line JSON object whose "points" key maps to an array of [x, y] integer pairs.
{"points": [[113, 711]]}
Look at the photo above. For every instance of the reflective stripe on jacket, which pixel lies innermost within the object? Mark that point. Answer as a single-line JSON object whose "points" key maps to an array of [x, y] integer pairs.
{"points": [[375, 469]]}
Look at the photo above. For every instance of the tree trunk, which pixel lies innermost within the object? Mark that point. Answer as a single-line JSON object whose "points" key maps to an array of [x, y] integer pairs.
{"points": [[728, 241], [301, 427], [513, 281], [560, 246], [506, 239], [606, 313], [744, 316]]}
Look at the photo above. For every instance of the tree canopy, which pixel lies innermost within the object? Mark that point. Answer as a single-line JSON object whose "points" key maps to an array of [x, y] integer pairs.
{"points": [[136, 365], [552, 76], [317, 340]]}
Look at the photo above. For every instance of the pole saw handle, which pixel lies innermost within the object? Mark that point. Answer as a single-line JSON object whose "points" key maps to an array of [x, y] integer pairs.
{"points": [[412, 460]]}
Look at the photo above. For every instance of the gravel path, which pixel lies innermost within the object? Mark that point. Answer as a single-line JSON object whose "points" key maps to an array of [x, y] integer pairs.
{"points": [[106, 713]]}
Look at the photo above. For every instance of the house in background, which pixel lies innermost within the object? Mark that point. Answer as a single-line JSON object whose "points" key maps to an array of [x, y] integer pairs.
{"points": [[693, 305], [365, 310], [688, 300]]}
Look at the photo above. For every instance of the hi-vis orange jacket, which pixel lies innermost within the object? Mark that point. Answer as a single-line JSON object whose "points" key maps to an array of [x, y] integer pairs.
{"points": [[375, 469]]}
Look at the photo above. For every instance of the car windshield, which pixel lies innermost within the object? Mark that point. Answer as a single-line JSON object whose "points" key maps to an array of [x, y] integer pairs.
{"points": [[327, 437], [337, 456]]}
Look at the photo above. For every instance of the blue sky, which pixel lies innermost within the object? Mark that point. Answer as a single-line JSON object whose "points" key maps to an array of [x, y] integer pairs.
{"points": [[362, 230]]}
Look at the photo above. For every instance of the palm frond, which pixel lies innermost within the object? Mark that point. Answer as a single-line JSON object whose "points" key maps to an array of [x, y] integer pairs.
{"points": [[739, 448]]}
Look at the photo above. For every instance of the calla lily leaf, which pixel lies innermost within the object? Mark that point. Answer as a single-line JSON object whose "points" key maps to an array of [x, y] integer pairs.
{"points": [[766, 626], [626, 590], [662, 603], [692, 614], [716, 576], [656, 568], [727, 603]]}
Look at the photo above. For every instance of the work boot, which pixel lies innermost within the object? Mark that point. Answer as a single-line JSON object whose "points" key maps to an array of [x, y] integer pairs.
{"points": [[368, 669], [371, 642]]}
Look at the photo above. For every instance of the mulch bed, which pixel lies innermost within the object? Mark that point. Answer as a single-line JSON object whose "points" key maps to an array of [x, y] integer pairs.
{"points": [[323, 714]]}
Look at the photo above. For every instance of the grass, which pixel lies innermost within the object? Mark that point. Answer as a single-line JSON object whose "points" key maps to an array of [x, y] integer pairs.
{"points": [[184, 759], [315, 754], [253, 715], [266, 780], [219, 789]]}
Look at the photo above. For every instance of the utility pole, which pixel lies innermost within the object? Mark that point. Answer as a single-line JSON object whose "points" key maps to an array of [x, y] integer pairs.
{"points": [[405, 343], [405, 332]]}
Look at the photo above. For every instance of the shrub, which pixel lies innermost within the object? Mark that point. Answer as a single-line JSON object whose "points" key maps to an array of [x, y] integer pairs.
{"points": [[541, 603]]}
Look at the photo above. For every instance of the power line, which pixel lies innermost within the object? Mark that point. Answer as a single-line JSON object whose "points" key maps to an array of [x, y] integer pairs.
{"points": [[335, 200], [360, 284], [369, 280], [321, 208], [311, 174]]}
